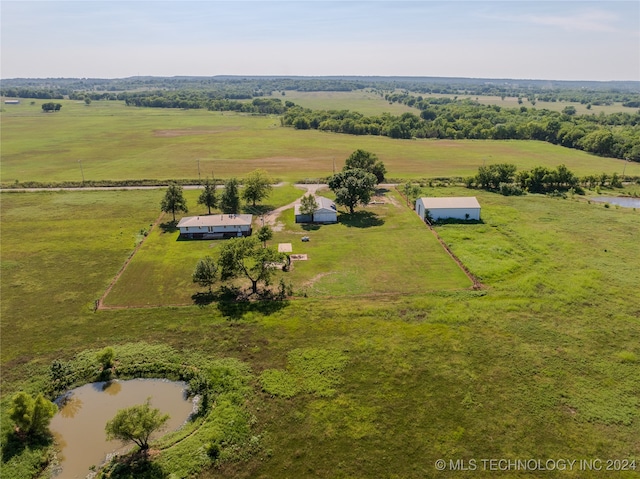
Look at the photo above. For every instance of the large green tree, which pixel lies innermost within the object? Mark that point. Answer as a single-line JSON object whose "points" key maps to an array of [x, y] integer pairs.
{"points": [[208, 197], [367, 161], [31, 416], [353, 187], [257, 186], [174, 200], [136, 424], [246, 257], [230, 200]]}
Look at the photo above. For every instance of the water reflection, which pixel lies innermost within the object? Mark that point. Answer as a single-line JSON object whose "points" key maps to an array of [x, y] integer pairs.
{"points": [[69, 406], [624, 201], [112, 387], [79, 426]]}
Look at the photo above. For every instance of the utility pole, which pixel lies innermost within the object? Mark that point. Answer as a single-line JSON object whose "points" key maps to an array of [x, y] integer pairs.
{"points": [[81, 171], [199, 170]]}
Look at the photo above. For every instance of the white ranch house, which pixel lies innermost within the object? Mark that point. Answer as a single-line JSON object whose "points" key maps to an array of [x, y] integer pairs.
{"points": [[460, 208], [215, 226], [325, 213]]}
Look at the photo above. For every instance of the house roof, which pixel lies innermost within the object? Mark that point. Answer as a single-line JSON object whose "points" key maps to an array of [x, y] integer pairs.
{"points": [[215, 220], [450, 202], [324, 205]]}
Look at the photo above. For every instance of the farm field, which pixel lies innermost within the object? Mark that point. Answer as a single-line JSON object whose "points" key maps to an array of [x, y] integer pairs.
{"points": [[109, 141], [541, 363]]}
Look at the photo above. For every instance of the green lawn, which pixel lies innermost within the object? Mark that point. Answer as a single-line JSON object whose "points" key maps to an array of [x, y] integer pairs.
{"points": [[113, 142]]}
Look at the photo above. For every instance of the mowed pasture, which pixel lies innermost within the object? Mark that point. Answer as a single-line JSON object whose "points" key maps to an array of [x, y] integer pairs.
{"points": [[540, 364], [383, 249], [110, 141]]}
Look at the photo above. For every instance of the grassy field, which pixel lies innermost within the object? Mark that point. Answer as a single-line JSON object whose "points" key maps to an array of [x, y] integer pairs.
{"points": [[540, 364], [108, 140]]}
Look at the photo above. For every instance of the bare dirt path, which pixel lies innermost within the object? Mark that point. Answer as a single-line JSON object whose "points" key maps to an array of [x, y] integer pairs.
{"points": [[271, 218]]}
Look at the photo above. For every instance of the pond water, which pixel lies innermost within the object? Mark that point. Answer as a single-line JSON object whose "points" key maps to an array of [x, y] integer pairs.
{"points": [[79, 424], [624, 201]]}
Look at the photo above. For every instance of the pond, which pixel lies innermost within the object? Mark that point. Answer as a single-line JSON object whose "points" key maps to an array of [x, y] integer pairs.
{"points": [[624, 201], [79, 424]]}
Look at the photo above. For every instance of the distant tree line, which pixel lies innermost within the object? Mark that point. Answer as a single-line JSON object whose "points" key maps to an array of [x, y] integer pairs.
{"points": [[504, 178], [233, 87], [615, 135]]}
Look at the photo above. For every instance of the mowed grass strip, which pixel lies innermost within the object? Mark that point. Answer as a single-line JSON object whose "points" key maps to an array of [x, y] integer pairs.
{"points": [[114, 142]]}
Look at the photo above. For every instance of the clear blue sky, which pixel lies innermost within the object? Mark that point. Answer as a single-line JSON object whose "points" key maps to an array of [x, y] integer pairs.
{"points": [[556, 40]]}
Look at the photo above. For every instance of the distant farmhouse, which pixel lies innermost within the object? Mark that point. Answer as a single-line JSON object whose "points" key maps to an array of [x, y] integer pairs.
{"points": [[215, 226], [12, 102], [460, 208], [325, 213]]}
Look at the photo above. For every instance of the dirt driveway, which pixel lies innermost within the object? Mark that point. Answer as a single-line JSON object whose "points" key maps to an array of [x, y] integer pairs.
{"points": [[271, 217]]}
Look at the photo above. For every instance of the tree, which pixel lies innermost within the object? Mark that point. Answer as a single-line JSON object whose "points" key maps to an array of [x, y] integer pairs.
{"points": [[230, 200], [136, 424], [32, 416], [205, 272], [257, 186], [50, 106], [265, 233], [352, 187], [367, 161], [208, 197], [106, 357], [174, 200], [245, 257], [308, 205], [411, 192]]}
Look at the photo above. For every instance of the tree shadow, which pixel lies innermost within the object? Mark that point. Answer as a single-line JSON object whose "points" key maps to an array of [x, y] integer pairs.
{"points": [[311, 226], [203, 299], [233, 303], [135, 466], [360, 219], [257, 210], [169, 227], [14, 445]]}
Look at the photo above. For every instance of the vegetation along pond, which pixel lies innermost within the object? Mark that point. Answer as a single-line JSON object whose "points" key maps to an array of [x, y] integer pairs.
{"points": [[624, 201], [79, 426]]}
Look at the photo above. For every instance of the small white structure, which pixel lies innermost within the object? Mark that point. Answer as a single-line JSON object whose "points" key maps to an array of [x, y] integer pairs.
{"points": [[460, 208], [325, 213], [12, 102], [215, 226]]}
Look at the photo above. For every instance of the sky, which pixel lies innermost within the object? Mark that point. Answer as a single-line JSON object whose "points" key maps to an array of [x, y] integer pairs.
{"points": [[543, 39]]}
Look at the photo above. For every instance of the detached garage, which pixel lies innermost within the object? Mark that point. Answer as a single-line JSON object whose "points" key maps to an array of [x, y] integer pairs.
{"points": [[460, 208], [325, 213]]}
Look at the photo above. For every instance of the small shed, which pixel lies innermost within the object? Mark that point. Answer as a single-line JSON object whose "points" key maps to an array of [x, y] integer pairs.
{"points": [[325, 213], [215, 226], [460, 208]]}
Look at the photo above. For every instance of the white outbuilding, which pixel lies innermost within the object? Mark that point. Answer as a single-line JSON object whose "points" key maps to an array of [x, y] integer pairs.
{"points": [[326, 212], [460, 208]]}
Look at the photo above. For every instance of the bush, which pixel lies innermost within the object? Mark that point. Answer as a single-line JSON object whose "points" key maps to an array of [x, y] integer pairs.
{"points": [[510, 189]]}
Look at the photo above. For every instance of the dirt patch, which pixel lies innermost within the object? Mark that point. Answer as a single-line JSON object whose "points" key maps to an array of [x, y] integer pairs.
{"points": [[316, 278], [190, 132]]}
